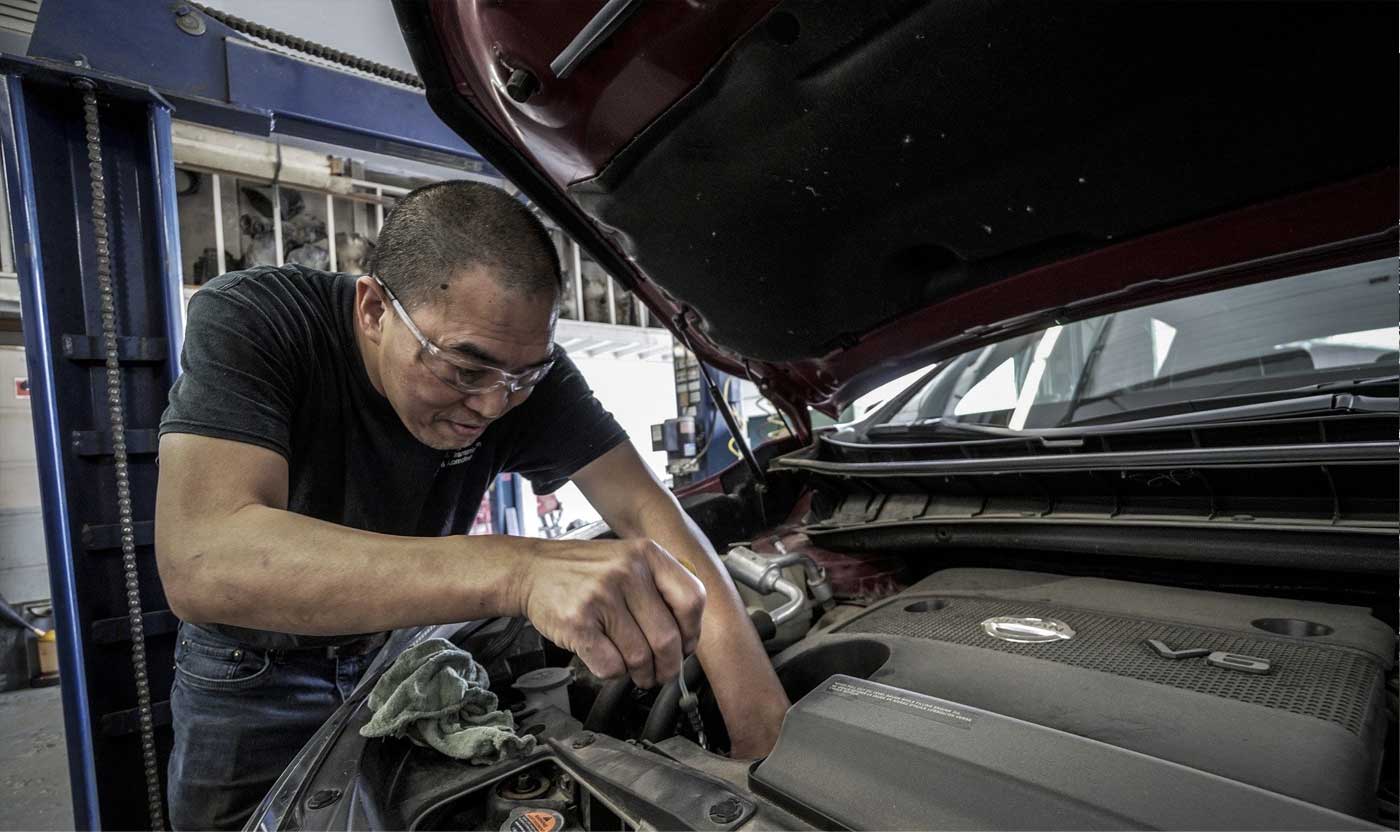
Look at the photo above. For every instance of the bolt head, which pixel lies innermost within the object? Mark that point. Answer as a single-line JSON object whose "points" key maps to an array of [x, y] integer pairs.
{"points": [[584, 740], [726, 811], [189, 22]]}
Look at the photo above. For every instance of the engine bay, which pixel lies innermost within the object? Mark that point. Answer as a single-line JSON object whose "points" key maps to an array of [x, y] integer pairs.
{"points": [[966, 697], [1220, 684]]}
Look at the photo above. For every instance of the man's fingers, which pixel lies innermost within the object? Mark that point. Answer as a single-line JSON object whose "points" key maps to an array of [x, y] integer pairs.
{"points": [[600, 656], [683, 593], [631, 644], [662, 634]]}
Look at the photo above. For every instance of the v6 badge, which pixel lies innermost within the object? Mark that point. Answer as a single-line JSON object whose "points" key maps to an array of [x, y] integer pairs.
{"points": [[1218, 658]]}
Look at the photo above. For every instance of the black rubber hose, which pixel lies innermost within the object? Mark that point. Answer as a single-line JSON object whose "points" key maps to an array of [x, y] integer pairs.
{"points": [[661, 722], [606, 714], [500, 642], [605, 717], [763, 623]]}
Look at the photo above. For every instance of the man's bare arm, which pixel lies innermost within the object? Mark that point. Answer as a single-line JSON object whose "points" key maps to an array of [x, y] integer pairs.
{"points": [[635, 505], [230, 552]]}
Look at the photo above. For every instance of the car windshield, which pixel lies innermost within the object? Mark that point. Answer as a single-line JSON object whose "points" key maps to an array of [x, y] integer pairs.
{"points": [[1334, 325]]}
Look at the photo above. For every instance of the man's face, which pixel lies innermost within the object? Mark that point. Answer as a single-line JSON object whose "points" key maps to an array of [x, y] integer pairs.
{"points": [[469, 314]]}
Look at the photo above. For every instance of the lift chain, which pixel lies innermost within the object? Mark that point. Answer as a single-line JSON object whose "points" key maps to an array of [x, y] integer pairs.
{"points": [[309, 47], [117, 416]]}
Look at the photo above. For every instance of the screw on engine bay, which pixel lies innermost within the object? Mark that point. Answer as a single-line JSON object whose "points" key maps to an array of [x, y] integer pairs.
{"points": [[322, 798], [726, 811], [526, 782], [584, 740]]}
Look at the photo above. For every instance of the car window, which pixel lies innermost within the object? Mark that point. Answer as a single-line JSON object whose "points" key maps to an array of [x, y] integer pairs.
{"points": [[1338, 323]]}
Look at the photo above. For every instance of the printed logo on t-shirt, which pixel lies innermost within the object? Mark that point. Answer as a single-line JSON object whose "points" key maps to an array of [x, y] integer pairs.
{"points": [[459, 456]]}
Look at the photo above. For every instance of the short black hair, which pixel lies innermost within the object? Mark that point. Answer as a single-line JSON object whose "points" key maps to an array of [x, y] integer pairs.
{"points": [[437, 230]]}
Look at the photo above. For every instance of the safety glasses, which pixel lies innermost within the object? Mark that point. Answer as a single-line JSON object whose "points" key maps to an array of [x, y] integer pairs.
{"points": [[464, 374]]}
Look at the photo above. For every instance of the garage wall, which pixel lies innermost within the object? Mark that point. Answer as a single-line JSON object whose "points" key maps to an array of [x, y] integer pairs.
{"points": [[24, 572]]}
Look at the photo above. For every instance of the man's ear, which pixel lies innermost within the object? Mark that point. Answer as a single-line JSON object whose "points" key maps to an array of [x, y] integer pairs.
{"points": [[370, 309]]}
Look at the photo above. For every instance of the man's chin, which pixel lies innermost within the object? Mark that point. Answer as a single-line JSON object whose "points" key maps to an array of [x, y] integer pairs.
{"points": [[441, 436], [437, 443]]}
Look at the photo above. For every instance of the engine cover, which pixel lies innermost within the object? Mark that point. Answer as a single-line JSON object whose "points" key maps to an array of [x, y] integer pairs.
{"points": [[1282, 695]]}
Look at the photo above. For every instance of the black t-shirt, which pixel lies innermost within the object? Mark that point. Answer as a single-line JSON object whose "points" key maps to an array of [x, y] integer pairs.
{"points": [[270, 359]]}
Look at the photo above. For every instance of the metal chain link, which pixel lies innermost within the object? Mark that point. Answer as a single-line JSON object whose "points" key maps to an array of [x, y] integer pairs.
{"points": [[310, 47], [116, 410]]}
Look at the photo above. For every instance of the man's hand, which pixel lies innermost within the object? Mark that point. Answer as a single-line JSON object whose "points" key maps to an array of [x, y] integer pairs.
{"points": [[632, 501], [623, 606]]}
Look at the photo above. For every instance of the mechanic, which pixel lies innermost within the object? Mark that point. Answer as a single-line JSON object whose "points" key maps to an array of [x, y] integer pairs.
{"points": [[323, 454]]}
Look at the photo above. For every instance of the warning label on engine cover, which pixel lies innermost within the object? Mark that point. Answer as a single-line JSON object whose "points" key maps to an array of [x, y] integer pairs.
{"points": [[906, 704]]}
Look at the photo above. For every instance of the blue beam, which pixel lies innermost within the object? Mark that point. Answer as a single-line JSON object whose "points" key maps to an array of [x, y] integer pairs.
{"points": [[302, 95], [46, 158], [48, 445], [223, 79], [167, 232]]}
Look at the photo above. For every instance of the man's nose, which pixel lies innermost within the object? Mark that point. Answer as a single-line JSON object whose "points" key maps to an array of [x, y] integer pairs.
{"points": [[490, 404]]}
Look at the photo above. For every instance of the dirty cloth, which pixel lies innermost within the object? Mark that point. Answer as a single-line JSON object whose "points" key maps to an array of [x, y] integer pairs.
{"points": [[436, 695]]}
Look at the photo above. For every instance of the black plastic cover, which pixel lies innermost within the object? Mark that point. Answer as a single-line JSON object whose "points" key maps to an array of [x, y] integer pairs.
{"points": [[910, 761], [847, 163]]}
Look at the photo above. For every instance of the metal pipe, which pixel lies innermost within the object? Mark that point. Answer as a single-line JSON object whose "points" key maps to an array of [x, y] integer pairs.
{"points": [[330, 232], [814, 573], [277, 224], [732, 422], [218, 192], [592, 36], [7, 258], [796, 603], [168, 259], [817, 582], [765, 575], [576, 263]]}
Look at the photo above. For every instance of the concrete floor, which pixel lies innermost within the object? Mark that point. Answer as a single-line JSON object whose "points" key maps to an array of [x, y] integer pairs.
{"points": [[33, 762]]}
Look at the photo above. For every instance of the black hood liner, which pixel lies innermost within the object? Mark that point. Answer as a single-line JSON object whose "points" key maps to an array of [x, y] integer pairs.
{"points": [[847, 163]]}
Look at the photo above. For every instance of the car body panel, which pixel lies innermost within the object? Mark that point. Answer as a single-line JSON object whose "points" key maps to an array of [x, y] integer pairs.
{"points": [[820, 196]]}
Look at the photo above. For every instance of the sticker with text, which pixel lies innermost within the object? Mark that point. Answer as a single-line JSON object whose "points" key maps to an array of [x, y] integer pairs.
{"points": [[906, 704]]}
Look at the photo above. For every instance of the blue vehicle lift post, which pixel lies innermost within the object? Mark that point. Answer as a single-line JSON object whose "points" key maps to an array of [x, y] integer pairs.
{"points": [[46, 164], [142, 62]]}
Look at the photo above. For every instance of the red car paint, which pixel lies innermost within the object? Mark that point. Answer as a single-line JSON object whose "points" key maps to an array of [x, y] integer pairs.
{"points": [[570, 130], [573, 127]]}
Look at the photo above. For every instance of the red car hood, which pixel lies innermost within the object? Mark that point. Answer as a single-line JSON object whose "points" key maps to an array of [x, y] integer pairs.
{"points": [[821, 195]]}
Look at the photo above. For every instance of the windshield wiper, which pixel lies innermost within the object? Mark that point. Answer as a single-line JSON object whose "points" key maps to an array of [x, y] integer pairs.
{"points": [[1354, 396], [1351, 396], [937, 427]]}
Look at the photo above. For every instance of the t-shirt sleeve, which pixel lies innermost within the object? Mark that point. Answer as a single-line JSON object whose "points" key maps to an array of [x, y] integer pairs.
{"points": [[562, 428], [240, 372]]}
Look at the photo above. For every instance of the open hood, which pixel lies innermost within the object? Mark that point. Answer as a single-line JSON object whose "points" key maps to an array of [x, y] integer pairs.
{"points": [[821, 195]]}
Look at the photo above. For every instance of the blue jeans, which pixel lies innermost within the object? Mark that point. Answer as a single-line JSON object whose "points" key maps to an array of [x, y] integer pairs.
{"points": [[240, 714]]}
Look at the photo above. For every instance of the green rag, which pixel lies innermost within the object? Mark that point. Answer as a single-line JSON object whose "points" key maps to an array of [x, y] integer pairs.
{"points": [[436, 695]]}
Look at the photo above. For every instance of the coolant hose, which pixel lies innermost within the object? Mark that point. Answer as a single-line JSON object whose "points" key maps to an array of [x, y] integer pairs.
{"points": [[665, 710], [605, 717], [661, 722]]}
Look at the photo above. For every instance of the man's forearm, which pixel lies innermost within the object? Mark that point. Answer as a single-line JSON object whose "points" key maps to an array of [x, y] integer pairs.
{"points": [[271, 569], [730, 651]]}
